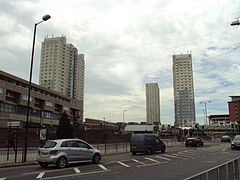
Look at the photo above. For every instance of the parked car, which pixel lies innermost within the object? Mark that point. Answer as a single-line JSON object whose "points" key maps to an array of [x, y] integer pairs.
{"points": [[194, 141], [236, 142], [226, 139], [146, 143], [67, 151]]}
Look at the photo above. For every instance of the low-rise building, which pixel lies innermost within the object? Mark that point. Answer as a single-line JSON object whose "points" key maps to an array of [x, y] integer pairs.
{"points": [[46, 105], [219, 120]]}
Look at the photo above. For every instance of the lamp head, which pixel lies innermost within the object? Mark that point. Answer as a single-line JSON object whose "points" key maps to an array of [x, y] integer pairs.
{"points": [[46, 17]]}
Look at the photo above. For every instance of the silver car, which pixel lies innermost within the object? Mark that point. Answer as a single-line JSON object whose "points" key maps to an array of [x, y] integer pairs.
{"points": [[67, 151]]}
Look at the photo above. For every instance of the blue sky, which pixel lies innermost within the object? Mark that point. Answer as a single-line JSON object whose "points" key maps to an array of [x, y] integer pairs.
{"points": [[129, 43]]}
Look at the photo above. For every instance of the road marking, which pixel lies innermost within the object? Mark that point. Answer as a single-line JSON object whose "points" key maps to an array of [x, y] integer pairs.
{"points": [[224, 149], [138, 161], [152, 160], [163, 158], [40, 175], [77, 170], [3, 178], [123, 164], [103, 167], [183, 155], [174, 156], [73, 175]]}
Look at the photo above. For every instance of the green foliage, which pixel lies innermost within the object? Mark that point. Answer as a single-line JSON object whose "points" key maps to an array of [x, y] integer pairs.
{"points": [[64, 129]]}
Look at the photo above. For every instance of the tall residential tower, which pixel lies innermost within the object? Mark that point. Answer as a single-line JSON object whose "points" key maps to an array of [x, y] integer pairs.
{"points": [[62, 68], [183, 90], [152, 103]]}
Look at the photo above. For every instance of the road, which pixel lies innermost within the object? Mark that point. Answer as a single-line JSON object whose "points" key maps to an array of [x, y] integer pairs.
{"points": [[176, 163]]}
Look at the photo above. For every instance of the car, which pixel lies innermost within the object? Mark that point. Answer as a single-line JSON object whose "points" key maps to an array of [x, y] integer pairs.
{"points": [[62, 152], [146, 143], [236, 142], [226, 139], [194, 141]]}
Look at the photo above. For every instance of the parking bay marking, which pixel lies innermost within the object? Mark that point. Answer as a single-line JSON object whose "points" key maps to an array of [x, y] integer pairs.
{"points": [[41, 174], [77, 170], [174, 156], [135, 160], [103, 167], [160, 157], [153, 160], [123, 164]]}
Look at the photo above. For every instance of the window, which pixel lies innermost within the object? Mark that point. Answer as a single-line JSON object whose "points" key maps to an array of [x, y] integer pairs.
{"points": [[25, 97], [1, 90], [48, 103]]}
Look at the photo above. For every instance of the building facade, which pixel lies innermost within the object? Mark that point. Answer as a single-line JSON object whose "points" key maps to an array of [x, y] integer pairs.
{"points": [[219, 120], [62, 68], [234, 109], [152, 103], [183, 90], [46, 106]]}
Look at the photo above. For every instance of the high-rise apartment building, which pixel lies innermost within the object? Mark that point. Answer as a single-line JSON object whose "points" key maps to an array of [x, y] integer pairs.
{"points": [[152, 103], [183, 90], [62, 68]]}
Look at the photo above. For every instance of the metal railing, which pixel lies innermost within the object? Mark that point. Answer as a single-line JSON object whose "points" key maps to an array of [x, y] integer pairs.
{"points": [[227, 171], [111, 148]]}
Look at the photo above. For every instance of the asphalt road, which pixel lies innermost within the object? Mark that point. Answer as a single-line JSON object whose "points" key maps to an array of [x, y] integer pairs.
{"points": [[177, 163]]}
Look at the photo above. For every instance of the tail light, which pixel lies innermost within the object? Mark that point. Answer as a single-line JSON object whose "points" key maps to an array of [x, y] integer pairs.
{"points": [[52, 152]]}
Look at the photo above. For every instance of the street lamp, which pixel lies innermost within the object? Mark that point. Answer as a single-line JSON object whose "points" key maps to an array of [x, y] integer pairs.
{"points": [[44, 18], [235, 23], [205, 107], [123, 114]]}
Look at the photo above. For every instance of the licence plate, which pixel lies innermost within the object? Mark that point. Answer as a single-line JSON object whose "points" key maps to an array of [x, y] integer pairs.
{"points": [[133, 147], [44, 153]]}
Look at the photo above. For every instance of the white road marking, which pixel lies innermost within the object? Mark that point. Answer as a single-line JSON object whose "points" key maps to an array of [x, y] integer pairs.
{"points": [[224, 149], [123, 164], [138, 161], [176, 156], [73, 175], [152, 160], [77, 170], [103, 167], [40, 175], [183, 155], [3, 178], [163, 158]]}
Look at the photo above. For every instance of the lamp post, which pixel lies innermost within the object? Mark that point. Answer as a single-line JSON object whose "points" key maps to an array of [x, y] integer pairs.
{"points": [[44, 18], [123, 114], [205, 108], [235, 23]]}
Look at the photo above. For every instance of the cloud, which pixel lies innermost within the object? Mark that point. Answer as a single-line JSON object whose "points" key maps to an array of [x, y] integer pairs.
{"points": [[129, 43]]}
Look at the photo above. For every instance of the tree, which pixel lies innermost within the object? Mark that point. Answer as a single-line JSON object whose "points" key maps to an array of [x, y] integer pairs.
{"points": [[64, 129]]}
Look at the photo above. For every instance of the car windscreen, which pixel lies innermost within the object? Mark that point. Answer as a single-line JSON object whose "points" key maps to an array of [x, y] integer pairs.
{"points": [[237, 138], [49, 144], [137, 139]]}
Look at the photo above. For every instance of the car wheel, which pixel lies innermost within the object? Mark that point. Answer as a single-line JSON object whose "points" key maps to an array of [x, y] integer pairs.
{"points": [[163, 150], [186, 145], [133, 153], [44, 165], [149, 151], [96, 159], [61, 162]]}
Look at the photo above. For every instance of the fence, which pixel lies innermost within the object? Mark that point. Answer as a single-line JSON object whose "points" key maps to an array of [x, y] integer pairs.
{"points": [[111, 148], [226, 171]]}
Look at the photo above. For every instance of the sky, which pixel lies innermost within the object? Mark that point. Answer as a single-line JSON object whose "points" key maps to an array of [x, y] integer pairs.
{"points": [[129, 43]]}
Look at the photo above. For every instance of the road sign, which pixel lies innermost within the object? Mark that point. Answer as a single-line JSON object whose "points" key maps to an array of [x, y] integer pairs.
{"points": [[13, 123]]}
